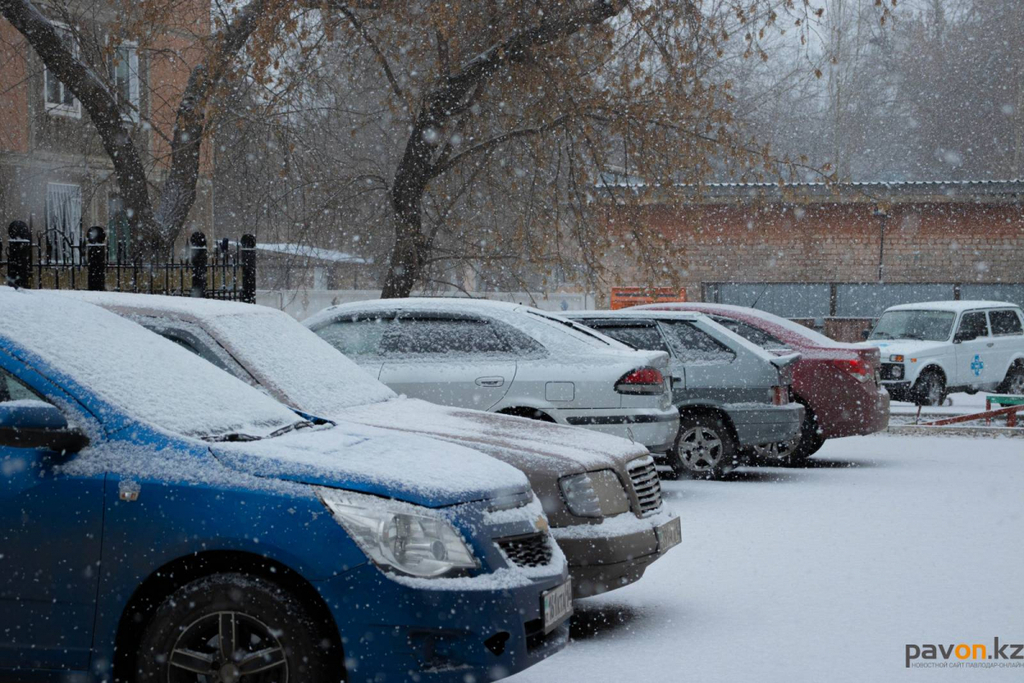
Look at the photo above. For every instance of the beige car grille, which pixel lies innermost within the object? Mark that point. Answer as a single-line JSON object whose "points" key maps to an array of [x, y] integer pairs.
{"points": [[647, 485]]}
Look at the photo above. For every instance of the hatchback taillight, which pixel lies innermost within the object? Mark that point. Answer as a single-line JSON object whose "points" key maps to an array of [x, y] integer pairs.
{"points": [[858, 367], [780, 396], [641, 381]]}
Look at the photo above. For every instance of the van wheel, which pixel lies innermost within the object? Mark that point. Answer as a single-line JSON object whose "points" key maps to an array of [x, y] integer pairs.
{"points": [[929, 389], [232, 628], [704, 448], [1014, 382]]}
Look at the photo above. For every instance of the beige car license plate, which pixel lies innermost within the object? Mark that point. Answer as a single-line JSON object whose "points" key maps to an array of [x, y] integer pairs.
{"points": [[557, 604], [669, 535]]}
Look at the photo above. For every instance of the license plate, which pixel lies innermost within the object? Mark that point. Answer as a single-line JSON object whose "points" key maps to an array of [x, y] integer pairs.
{"points": [[557, 604], [669, 535]]}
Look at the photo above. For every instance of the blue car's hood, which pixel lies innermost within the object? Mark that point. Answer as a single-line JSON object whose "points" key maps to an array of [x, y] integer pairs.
{"points": [[407, 467]]}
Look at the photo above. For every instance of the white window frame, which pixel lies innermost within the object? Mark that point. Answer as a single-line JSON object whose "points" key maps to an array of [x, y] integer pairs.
{"points": [[73, 110], [73, 234], [131, 112]]}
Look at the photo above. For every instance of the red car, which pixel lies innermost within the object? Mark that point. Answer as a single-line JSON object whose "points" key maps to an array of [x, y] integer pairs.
{"points": [[837, 383]]}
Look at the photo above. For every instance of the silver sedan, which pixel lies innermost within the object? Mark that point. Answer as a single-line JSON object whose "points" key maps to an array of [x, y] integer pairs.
{"points": [[508, 358]]}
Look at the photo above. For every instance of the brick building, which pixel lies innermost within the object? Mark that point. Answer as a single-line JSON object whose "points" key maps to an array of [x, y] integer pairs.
{"points": [[54, 173], [849, 251]]}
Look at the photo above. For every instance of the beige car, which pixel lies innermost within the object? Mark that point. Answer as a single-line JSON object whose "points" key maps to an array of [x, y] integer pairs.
{"points": [[601, 494]]}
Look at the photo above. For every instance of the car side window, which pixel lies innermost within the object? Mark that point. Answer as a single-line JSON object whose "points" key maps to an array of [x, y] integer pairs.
{"points": [[751, 334], [694, 346], [640, 336], [443, 337], [356, 338], [972, 326], [12, 389], [1005, 323]]}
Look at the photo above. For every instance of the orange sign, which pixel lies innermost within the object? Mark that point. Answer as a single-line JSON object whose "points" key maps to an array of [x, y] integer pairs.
{"points": [[624, 297]]}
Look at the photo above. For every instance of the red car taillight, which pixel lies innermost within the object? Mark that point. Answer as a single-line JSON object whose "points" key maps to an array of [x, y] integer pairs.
{"points": [[858, 367], [641, 381], [780, 396]]}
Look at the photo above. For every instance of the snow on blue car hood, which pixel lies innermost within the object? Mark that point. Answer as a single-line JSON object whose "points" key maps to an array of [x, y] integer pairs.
{"points": [[407, 467]]}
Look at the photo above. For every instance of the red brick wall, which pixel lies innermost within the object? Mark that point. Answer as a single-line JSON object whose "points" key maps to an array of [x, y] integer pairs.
{"points": [[13, 91], [829, 243]]}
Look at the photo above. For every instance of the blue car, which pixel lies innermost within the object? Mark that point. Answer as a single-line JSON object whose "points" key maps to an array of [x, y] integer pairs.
{"points": [[161, 520]]}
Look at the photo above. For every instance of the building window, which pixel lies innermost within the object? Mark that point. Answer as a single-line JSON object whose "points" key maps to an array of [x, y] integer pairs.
{"points": [[59, 99], [118, 230], [124, 77], [63, 222]]}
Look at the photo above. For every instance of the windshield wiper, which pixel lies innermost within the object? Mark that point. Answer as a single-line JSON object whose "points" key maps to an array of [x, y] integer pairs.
{"points": [[301, 424], [878, 335], [231, 436]]}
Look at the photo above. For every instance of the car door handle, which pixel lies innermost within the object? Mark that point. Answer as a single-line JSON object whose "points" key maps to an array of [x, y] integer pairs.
{"points": [[990, 344], [490, 381]]}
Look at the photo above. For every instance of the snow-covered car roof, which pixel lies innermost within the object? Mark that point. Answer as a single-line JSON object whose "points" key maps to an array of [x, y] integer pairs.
{"points": [[134, 370], [304, 367], [734, 339], [953, 306], [634, 313], [786, 324]]}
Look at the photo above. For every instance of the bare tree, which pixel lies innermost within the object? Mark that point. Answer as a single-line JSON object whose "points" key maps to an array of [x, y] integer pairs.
{"points": [[157, 220]]}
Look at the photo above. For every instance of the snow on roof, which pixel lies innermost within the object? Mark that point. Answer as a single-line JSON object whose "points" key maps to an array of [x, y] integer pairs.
{"points": [[291, 362], [955, 306], [138, 372], [311, 252], [633, 313]]}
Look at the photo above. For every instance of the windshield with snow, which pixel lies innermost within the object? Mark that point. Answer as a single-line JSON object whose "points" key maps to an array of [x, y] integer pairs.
{"points": [[920, 325], [295, 364], [142, 374]]}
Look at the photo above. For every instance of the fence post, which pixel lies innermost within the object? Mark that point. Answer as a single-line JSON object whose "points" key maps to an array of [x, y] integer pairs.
{"points": [[197, 242], [249, 269], [19, 254], [96, 255]]}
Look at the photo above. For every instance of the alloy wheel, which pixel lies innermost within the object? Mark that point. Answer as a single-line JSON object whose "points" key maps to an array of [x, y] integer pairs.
{"points": [[780, 451], [227, 647], [700, 449]]}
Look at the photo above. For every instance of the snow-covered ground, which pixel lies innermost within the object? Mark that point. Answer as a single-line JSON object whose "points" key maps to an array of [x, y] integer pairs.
{"points": [[823, 573]]}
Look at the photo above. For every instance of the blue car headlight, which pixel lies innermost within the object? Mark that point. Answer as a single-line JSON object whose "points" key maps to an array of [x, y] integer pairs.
{"points": [[400, 536]]}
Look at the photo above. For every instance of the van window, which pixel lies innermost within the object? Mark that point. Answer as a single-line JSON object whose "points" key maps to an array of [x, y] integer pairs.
{"points": [[1005, 323]]}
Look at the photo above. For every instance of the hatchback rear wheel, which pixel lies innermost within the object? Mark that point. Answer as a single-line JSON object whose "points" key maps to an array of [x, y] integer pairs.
{"points": [[232, 628], [705, 449]]}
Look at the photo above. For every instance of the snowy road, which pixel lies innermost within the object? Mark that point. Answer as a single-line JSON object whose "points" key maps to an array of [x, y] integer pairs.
{"points": [[823, 573]]}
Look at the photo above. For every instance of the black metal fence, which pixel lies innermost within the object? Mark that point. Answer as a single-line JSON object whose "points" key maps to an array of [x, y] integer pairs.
{"points": [[225, 271]]}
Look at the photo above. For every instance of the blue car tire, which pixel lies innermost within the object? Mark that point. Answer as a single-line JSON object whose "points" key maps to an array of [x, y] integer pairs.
{"points": [[233, 628]]}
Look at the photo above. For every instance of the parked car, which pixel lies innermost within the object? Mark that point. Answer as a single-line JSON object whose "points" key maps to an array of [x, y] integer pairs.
{"points": [[161, 520], [838, 384], [507, 358], [581, 478], [932, 349], [732, 396]]}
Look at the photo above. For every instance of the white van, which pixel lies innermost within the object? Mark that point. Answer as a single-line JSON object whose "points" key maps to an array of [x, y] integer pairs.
{"points": [[935, 348]]}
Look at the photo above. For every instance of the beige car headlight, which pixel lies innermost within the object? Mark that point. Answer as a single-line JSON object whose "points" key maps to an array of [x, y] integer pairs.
{"points": [[594, 494], [404, 537]]}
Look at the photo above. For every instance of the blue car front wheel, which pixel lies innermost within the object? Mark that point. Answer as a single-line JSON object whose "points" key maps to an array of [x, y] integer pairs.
{"points": [[232, 628]]}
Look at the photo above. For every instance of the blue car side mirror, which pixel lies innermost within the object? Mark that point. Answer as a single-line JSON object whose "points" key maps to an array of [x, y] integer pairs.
{"points": [[35, 424]]}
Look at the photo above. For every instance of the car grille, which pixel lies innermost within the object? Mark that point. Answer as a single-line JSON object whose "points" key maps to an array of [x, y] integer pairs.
{"points": [[647, 485], [891, 371], [532, 550]]}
